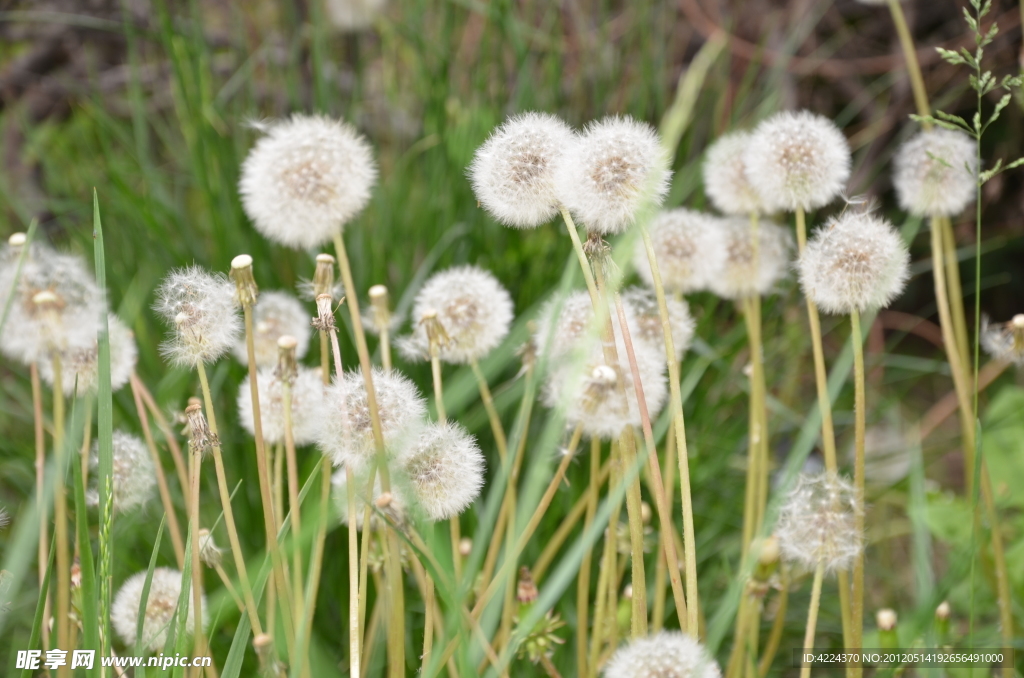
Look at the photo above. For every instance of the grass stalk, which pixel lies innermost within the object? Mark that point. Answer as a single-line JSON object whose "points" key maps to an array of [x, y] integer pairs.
{"points": [[954, 287], [775, 636], [638, 623], [860, 413], [60, 513], [606, 580], [910, 54], [812, 618], [316, 569], [578, 510]]}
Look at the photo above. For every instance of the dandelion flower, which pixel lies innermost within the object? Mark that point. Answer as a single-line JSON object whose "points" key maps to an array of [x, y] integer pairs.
{"points": [[856, 262], [934, 173], [164, 592], [616, 168], [1004, 341], [513, 172], [666, 654], [275, 315], [817, 523], [725, 178], [797, 161], [394, 507], [354, 16], [347, 434], [134, 477], [307, 405], [201, 309], [688, 248], [445, 470], [305, 179], [473, 309], [751, 269], [80, 363], [648, 319]]}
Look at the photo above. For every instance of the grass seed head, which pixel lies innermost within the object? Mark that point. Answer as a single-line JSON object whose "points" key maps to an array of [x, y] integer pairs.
{"points": [[445, 470], [666, 654], [752, 266], [725, 179], [688, 247], [817, 523], [934, 173], [275, 315]]}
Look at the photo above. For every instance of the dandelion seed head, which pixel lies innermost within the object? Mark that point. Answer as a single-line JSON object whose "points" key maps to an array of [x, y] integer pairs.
{"points": [[817, 523], [305, 179], [395, 506], [934, 173], [855, 262], [445, 470], [688, 248], [725, 177], [752, 266], [200, 309], [134, 477], [648, 319], [616, 168], [275, 315], [80, 363], [797, 161], [354, 16], [513, 172], [666, 654], [164, 592], [1004, 341], [307, 405], [564, 323]]}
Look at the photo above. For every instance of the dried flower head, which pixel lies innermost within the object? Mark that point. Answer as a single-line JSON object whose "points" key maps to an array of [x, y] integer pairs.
{"points": [[797, 161], [513, 172], [616, 168], [394, 507], [347, 434], [725, 177], [200, 308], [80, 363], [817, 523], [1004, 341], [209, 552], [307, 405], [275, 315], [305, 179], [134, 477], [472, 308], [164, 592], [445, 470], [688, 247], [855, 262], [752, 266], [644, 305], [354, 16], [666, 654], [934, 173]]}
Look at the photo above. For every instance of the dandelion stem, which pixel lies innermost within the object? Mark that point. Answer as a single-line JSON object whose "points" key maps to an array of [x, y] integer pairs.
{"points": [[196, 466], [168, 434], [226, 580], [353, 573], [583, 578], [325, 359], [61, 518], [294, 505], [913, 67], [956, 294], [778, 626], [316, 568], [812, 618], [40, 464], [857, 594], [606, 579]]}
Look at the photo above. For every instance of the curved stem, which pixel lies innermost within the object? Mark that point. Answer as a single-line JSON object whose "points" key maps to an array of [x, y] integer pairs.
{"points": [[812, 618]]}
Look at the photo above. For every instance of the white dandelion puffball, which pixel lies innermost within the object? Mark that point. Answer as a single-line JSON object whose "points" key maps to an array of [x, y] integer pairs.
{"points": [[164, 591], [934, 173], [200, 308], [689, 251], [80, 363], [666, 654], [562, 325], [275, 315], [855, 262], [513, 172], [616, 168], [134, 476], [472, 307], [445, 470], [797, 161], [887, 457], [817, 523], [347, 434], [305, 179], [752, 267], [395, 506], [1004, 341], [307, 405], [644, 305], [354, 16], [725, 177]]}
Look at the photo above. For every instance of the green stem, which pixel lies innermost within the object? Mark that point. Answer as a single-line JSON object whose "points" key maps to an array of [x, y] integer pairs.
{"points": [[583, 580], [40, 467], [812, 617], [295, 506], [857, 594], [638, 625], [60, 514], [778, 626], [910, 54], [353, 578]]}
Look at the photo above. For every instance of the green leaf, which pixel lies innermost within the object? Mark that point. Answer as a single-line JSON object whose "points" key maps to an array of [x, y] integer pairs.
{"points": [[954, 119], [1004, 445], [90, 606], [140, 650], [17, 272]]}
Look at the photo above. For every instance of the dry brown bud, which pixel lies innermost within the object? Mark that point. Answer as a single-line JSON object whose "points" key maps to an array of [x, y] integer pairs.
{"points": [[246, 290], [526, 589], [200, 437]]}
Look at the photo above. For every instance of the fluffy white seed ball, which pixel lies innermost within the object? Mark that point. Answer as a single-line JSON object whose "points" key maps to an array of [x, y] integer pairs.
{"points": [[934, 173], [472, 307], [305, 179], [752, 265], [134, 477], [164, 591], [797, 161], [725, 177], [688, 248], [353, 16], [80, 362], [615, 169], [445, 470], [648, 328], [395, 506], [855, 262], [1004, 341], [817, 523], [200, 309], [307, 405], [275, 315], [513, 172], [666, 654]]}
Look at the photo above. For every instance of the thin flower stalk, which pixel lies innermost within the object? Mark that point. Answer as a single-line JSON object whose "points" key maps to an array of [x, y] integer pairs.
{"points": [[286, 367], [607, 583], [860, 404], [956, 295], [168, 434], [195, 471], [316, 569], [583, 579], [577, 512], [812, 618], [910, 54], [63, 561], [40, 466], [778, 626], [660, 571]]}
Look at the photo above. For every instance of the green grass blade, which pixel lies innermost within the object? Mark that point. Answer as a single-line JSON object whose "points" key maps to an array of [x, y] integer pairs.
{"points": [[140, 650], [90, 629], [37, 618]]}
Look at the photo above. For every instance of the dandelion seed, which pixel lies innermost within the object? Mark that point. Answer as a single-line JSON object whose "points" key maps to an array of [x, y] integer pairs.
{"points": [[307, 405], [688, 248], [797, 161], [513, 172], [1004, 341], [275, 315], [725, 177], [752, 268], [164, 592], [305, 179], [934, 173], [666, 654], [200, 308], [134, 477], [818, 523], [855, 262], [616, 168], [472, 308], [445, 470], [644, 305], [395, 507]]}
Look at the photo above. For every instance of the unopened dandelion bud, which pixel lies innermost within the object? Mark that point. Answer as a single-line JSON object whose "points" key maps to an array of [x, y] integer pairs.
{"points": [[627, 592], [436, 335], [465, 547], [943, 612], [164, 593], [818, 523], [17, 239], [323, 276], [526, 588], [1004, 341], [324, 320], [934, 173], [383, 501], [886, 621], [666, 654], [445, 470], [209, 552], [645, 512], [381, 314], [767, 552], [246, 290], [200, 437], [287, 368]]}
